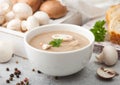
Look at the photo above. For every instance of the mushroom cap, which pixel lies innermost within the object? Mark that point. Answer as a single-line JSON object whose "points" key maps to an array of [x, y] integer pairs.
{"points": [[22, 10], [32, 22], [35, 4], [110, 55], [14, 24], [42, 17]]}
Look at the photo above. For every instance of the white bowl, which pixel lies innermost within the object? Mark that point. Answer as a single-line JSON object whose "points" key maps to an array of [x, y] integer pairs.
{"points": [[59, 63]]}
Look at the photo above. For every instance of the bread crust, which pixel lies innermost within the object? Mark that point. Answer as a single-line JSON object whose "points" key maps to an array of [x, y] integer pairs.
{"points": [[115, 37]]}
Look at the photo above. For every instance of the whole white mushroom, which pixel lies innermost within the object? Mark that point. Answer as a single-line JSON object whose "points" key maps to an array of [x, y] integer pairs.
{"points": [[32, 22], [14, 24], [22, 10], [108, 56], [6, 51], [42, 17], [4, 8]]}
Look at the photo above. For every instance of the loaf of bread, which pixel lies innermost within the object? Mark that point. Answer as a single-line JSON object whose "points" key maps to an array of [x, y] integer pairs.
{"points": [[113, 23]]}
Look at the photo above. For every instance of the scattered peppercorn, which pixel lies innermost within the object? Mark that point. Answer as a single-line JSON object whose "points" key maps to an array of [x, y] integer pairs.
{"points": [[11, 78], [15, 69], [11, 75], [7, 69], [39, 71], [17, 62], [17, 76], [15, 73], [7, 81], [33, 69]]}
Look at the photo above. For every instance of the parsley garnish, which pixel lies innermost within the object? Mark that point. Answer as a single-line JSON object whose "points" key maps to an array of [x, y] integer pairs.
{"points": [[99, 31], [55, 42]]}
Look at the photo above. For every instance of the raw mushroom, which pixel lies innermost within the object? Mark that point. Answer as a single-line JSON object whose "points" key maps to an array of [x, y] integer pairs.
{"points": [[22, 10], [4, 8], [106, 73], [2, 19], [32, 22], [35, 4], [10, 15], [6, 51], [108, 56], [14, 24], [42, 17]]}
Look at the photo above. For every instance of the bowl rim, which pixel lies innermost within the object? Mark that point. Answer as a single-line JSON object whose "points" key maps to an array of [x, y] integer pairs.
{"points": [[66, 52]]}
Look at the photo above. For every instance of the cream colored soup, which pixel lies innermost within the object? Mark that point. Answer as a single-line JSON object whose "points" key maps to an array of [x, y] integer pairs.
{"points": [[78, 41]]}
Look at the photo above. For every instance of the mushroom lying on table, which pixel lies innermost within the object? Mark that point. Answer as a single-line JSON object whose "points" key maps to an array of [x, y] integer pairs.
{"points": [[106, 73], [108, 56]]}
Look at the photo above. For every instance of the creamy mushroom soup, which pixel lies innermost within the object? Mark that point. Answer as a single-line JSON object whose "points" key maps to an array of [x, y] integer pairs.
{"points": [[59, 41]]}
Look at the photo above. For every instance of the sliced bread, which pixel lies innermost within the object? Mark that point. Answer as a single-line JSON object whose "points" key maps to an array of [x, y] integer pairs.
{"points": [[113, 23]]}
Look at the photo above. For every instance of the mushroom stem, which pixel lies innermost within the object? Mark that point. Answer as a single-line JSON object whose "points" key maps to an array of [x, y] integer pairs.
{"points": [[100, 57]]}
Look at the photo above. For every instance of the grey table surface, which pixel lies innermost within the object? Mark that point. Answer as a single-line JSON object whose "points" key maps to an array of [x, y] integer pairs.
{"points": [[87, 76]]}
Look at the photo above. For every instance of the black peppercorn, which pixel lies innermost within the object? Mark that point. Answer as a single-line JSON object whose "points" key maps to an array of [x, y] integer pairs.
{"points": [[15, 69], [11, 75], [7, 69], [39, 71], [15, 73], [17, 62], [33, 69], [7, 81], [17, 76]]}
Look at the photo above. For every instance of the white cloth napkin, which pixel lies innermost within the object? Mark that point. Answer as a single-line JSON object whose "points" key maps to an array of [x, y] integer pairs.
{"points": [[89, 9]]}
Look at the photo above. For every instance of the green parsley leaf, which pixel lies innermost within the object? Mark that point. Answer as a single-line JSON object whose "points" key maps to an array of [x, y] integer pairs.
{"points": [[99, 31], [55, 42]]}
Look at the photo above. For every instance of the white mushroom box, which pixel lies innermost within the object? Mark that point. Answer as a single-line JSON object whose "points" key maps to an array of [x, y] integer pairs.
{"points": [[72, 17]]}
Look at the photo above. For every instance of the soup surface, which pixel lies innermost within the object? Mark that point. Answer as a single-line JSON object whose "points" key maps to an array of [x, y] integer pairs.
{"points": [[75, 42]]}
